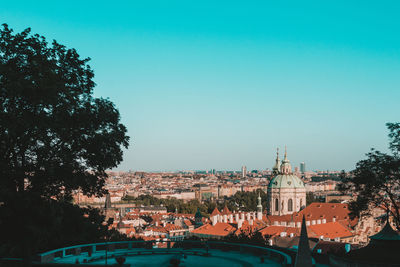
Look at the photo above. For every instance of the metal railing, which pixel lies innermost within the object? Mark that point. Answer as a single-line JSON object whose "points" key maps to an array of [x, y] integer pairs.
{"points": [[126, 248]]}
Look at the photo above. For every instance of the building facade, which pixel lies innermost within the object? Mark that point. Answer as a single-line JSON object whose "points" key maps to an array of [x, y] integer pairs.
{"points": [[286, 192]]}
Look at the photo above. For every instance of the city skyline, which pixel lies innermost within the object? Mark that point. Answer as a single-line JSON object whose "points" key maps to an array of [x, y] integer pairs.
{"points": [[221, 85]]}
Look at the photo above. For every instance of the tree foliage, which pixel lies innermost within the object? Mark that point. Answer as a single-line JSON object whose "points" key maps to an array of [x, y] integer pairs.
{"points": [[375, 182], [247, 201], [55, 137], [244, 201]]}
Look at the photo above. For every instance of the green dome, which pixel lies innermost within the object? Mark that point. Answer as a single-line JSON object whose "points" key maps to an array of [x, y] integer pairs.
{"points": [[286, 181]]}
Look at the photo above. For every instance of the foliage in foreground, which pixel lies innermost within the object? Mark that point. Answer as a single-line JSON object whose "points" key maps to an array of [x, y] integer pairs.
{"points": [[55, 137], [375, 182]]}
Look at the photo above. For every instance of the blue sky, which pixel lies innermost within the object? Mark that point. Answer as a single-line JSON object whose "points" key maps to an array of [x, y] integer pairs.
{"points": [[204, 85]]}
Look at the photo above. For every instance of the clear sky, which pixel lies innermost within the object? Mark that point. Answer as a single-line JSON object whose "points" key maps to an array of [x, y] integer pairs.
{"points": [[221, 84]]}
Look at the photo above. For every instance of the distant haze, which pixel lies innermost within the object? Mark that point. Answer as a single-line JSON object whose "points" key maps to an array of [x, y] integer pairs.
{"points": [[221, 84]]}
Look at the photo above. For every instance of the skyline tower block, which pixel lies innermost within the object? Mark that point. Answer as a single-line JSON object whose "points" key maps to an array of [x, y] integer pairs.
{"points": [[302, 167], [244, 171]]}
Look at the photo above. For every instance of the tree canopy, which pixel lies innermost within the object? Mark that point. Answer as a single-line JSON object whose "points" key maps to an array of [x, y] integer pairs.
{"points": [[375, 182], [55, 136]]}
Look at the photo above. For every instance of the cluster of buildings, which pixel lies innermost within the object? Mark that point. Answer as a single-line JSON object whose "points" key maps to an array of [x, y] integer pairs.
{"points": [[203, 185], [280, 221]]}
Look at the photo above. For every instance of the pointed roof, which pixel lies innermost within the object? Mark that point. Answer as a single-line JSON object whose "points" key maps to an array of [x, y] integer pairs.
{"points": [[259, 200], [387, 233], [285, 159], [215, 212], [226, 211], [303, 257], [277, 165], [198, 214]]}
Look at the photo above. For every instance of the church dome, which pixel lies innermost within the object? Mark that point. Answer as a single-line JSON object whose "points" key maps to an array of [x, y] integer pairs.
{"points": [[286, 181]]}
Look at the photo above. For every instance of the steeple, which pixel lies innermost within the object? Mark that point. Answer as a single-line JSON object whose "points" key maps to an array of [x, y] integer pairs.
{"points": [[286, 168], [285, 159], [277, 166], [259, 207], [303, 257]]}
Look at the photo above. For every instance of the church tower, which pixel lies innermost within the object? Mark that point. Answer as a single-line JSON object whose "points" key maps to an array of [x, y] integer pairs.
{"points": [[277, 166], [286, 192], [259, 208]]}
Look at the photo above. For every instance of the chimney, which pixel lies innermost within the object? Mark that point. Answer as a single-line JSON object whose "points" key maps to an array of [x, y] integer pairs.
{"points": [[240, 222], [236, 217]]}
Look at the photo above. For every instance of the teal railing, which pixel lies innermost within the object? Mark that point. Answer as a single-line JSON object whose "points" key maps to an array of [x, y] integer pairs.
{"points": [[126, 248]]}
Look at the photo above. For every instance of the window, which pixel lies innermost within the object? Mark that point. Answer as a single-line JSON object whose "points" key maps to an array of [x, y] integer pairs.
{"points": [[276, 205], [290, 205], [301, 203]]}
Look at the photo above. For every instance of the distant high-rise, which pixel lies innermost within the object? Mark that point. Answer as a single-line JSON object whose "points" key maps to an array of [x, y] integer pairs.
{"points": [[302, 167], [244, 171]]}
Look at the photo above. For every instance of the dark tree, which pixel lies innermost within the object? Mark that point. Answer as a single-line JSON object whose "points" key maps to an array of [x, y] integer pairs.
{"points": [[311, 198], [375, 182], [55, 137]]}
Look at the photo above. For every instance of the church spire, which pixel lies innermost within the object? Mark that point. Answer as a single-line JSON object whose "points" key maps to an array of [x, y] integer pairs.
{"points": [[277, 166], [303, 256], [259, 207], [286, 168], [285, 154]]}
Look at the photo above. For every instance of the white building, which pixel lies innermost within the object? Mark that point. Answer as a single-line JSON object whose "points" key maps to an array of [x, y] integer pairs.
{"points": [[286, 192]]}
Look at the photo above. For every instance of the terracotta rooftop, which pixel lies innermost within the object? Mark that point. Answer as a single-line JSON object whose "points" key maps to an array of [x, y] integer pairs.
{"points": [[226, 211], [219, 229], [317, 211], [215, 212], [330, 230]]}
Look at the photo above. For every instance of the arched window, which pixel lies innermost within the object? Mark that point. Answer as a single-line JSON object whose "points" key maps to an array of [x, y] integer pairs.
{"points": [[290, 205], [301, 203], [276, 204]]}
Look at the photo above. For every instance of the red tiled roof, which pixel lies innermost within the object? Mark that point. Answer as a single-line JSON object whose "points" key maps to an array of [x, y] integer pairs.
{"points": [[226, 211], [219, 229], [215, 212], [248, 229], [330, 230], [276, 230], [317, 211], [188, 222]]}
